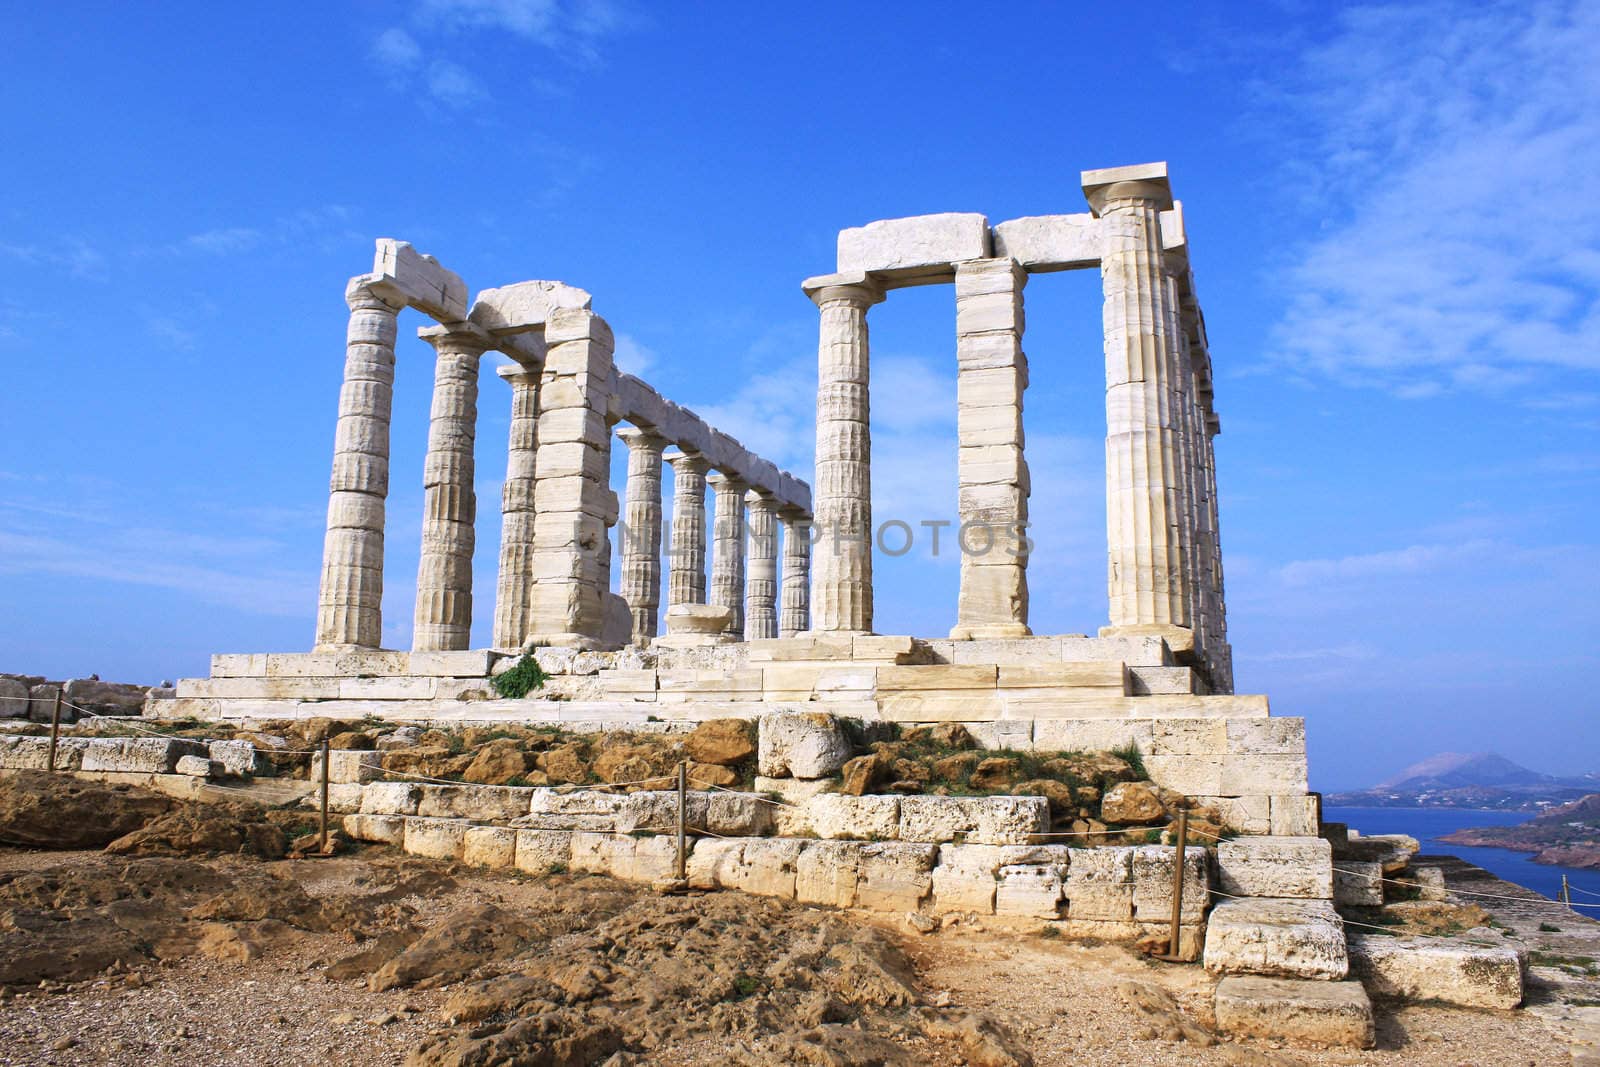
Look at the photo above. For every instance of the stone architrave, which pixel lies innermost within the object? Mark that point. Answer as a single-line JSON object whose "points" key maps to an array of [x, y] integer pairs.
{"points": [[1143, 493], [516, 509], [449, 502], [727, 558], [573, 501], [641, 543], [841, 574], [686, 572], [992, 373], [795, 616], [761, 572], [350, 602]]}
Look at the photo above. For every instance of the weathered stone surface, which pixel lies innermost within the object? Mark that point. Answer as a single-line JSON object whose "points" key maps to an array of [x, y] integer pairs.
{"points": [[441, 839], [977, 820], [1132, 802], [895, 875], [13, 699], [487, 802], [827, 873], [1276, 938], [390, 798], [196, 766], [383, 829], [923, 245], [1429, 882], [1316, 1014], [1049, 242], [724, 742], [238, 758], [543, 851], [698, 619], [802, 745], [33, 753], [1100, 885], [348, 765], [1469, 975], [142, 755], [524, 306], [1152, 883], [1358, 883], [1300, 867], [868, 818], [1031, 889], [489, 846]]}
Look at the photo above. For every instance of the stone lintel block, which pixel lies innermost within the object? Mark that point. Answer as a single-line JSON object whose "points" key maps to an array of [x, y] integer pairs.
{"points": [[1043, 243], [1103, 676], [936, 677], [1277, 938], [524, 306], [1153, 176], [1434, 969], [441, 839], [919, 247], [1301, 1012], [426, 285], [1284, 867]]}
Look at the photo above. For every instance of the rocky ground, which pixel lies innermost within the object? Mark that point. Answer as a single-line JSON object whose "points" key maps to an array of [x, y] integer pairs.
{"points": [[185, 945]]}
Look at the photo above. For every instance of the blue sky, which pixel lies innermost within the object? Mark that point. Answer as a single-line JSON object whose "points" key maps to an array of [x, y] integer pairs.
{"points": [[1394, 214]]}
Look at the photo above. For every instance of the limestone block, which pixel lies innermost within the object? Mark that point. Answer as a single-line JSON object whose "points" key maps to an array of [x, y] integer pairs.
{"points": [[937, 677], [1314, 1014], [739, 814], [1298, 867], [1191, 775], [827, 873], [1293, 816], [978, 820], [463, 663], [198, 767], [1280, 735], [591, 853], [895, 875], [384, 829], [419, 278], [139, 755], [440, 839], [348, 765], [489, 846], [1435, 969], [645, 859], [889, 647], [525, 306], [1188, 737], [1430, 883], [698, 619], [582, 809], [932, 705], [543, 851], [1152, 883], [1246, 815], [386, 688], [238, 665], [1031, 889], [390, 798], [1150, 681], [484, 802], [238, 758], [21, 753], [1281, 938], [1358, 883], [343, 798], [14, 699], [1092, 735], [1110, 677], [803, 745], [1045, 243], [105, 698], [766, 867], [1014, 734], [712, 863], [923, 246], [1100, 884], [866, 818], [1394, 851], [966, 878]]}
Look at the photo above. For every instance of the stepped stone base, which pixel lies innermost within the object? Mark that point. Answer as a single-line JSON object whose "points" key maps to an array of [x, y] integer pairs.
{"points": [[1318, 1014], [1465, 974], [1277, 938]]}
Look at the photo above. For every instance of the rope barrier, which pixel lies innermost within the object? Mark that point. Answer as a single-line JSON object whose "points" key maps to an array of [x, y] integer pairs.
{"points": [[1540, 902]]}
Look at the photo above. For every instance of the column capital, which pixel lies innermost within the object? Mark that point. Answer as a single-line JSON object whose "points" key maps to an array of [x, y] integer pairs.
{"points": [[1140, 182], [856, 288], [371, 292], [761, 498], [692, 462], [640, 440], [517, 374], [458, 337], [727, 483]]}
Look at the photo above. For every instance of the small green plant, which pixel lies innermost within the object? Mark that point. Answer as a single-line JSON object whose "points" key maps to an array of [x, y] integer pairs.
{"points": [[558, 868], [1131, 755], [522, 679], [1050, 932], [1547, 928], [745, 985]]}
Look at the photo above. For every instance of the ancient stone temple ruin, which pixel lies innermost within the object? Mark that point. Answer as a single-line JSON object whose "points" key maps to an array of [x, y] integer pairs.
{"points": [[784, 619]]}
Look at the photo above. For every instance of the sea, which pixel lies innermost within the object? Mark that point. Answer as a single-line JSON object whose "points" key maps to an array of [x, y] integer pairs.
{"points": [[1427, 825]]}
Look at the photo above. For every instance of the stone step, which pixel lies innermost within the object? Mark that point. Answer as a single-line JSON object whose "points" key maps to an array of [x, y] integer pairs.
{"points": [[1436, 969], [1276, 939], [1314, 1014]]}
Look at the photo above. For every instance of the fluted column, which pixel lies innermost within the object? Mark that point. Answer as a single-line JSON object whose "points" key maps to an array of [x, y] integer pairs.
{"points": [[841, 577], [1143, 489], [686, 572], [1175, 268], [992, 374], [761, 576], [516, 509], [727, 555], [1219, 652], [796, 615], [350, 599], [641, 535], [449, 503]]}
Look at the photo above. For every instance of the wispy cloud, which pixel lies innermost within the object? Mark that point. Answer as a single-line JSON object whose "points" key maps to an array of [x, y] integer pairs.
{"points": [[1460, 248], [72, 255], [632, 357], [1413, 559]]}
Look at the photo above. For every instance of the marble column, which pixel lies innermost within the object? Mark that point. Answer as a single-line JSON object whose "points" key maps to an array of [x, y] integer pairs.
{"points": [[761, 577], [1143, 491], [686, 571], [991, 375], [449, 502], [350, 600], [1220, 652], [796, 615], [641, 535], [727, 553], [516, 509], [1175, 269], [841, 575]]}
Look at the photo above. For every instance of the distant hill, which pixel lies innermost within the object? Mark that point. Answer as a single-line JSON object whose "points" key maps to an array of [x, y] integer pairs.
{"points": [[1470, 780], [1568, 836]]}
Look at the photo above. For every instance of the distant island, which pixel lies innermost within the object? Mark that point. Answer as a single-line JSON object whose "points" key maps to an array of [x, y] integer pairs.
{"points": [[1480, 780], [1568, 836]]}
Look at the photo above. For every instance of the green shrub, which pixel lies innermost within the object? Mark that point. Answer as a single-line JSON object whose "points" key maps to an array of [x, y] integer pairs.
{"points": [[1131, 755], [520, 680]]}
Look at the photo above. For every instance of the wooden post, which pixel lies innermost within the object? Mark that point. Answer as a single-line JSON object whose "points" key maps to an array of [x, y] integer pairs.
{"points": [[1177, 885], [1566, 892], [683, 819], [322, 846], [55, 730]]}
